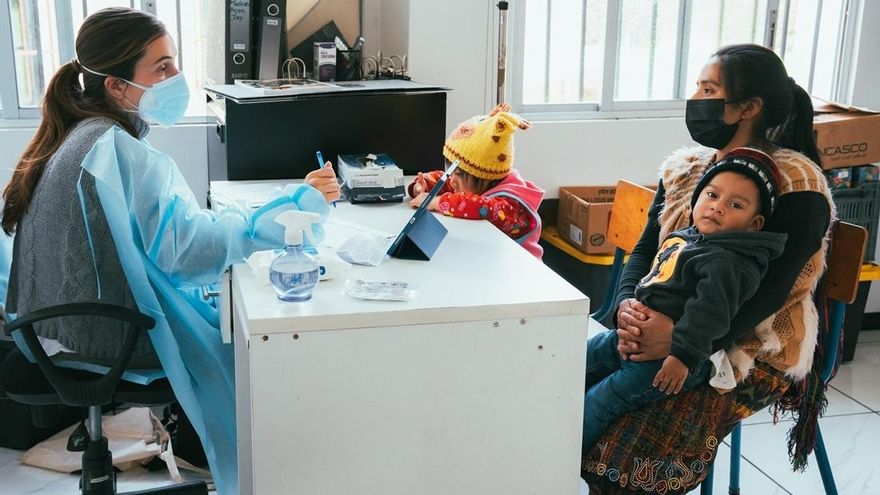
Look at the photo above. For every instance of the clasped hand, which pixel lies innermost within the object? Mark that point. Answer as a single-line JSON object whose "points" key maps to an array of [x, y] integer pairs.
{"points": [[644, 334]]}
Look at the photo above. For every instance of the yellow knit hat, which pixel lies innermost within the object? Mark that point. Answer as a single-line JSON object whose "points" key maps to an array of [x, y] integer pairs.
{"points": [[483, 145]]}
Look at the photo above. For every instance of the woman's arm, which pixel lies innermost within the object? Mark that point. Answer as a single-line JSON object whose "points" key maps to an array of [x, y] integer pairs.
{"points": [[643, 333], [805, 217], [191, 245], [640, 260]]}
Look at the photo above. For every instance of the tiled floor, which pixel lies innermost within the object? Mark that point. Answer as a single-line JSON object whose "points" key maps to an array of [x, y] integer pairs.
{"points": [[851, 427]]}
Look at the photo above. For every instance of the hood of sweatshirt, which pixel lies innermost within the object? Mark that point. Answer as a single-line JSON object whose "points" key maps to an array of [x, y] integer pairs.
{"points": [[523, 189]]}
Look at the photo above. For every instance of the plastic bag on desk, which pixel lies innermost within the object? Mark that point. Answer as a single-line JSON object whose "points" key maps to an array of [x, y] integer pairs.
{"points": [[380, 290]]}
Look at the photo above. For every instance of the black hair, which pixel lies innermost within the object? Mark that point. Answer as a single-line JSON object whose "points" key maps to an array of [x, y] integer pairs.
{"points": [[749, 71]]}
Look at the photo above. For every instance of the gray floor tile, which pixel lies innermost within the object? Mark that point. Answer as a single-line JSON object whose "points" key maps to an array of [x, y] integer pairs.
{"points": [[19, 479], [860, 378], [850, 441], [750, 476]]}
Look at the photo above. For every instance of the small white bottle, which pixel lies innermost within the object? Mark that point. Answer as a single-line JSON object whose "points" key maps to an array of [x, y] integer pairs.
{"points": [[294, 273]]}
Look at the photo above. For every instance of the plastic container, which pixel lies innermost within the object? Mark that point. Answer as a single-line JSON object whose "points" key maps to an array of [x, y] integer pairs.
{"points": [[861, 206], [295, 273]]}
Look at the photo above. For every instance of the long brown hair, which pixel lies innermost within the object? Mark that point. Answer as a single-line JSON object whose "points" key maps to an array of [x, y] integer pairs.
{"points": [[110, 41]]}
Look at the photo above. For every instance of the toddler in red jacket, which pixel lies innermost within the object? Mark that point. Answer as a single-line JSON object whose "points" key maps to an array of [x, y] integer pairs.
{"points": [[485, 186]]}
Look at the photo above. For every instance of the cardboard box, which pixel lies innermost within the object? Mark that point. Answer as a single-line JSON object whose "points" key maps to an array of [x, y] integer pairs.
{"points": [[847, 136], [583, 217]]}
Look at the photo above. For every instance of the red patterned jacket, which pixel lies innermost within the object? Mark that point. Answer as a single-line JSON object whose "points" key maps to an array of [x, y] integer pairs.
{"points": [[511, 206]]}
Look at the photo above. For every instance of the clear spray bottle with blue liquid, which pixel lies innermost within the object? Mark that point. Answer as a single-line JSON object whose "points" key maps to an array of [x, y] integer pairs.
{"points": [[294, 273]]}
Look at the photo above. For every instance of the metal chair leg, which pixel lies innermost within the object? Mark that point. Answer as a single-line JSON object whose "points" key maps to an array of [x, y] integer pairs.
{"points": [[706, 485], [735, 450], [824, 465]]}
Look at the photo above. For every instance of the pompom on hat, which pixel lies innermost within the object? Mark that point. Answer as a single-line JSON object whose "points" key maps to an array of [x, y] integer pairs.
{"points": [[483, 145], [754, 164]]}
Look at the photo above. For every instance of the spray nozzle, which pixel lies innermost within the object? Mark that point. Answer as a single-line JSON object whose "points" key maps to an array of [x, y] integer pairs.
{"points": [[296, 222]]}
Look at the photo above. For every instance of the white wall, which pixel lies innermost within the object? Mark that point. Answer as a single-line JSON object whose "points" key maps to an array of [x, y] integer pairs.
{"points": [[186, 144], [385, 27]]}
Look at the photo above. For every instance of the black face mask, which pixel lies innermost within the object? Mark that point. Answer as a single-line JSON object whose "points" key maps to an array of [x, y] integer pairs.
{"points": [[705, 121]]}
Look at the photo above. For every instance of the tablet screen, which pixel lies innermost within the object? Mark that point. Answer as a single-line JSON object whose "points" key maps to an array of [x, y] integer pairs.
{"points": [[423, 207]]}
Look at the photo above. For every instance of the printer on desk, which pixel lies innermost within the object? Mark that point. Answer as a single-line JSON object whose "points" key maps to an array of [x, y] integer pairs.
{"points": [[371, 178]]}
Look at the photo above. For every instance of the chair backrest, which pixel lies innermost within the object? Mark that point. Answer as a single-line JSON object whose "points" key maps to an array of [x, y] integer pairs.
{"points": [[629, 215], [98, 391], [844, 264]]}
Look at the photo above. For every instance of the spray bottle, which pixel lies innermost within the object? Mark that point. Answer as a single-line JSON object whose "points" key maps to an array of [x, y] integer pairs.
{"points": [[294, 273]]}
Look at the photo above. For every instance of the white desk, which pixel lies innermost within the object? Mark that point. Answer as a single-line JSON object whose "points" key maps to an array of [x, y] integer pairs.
{"points": [[474, 387]]}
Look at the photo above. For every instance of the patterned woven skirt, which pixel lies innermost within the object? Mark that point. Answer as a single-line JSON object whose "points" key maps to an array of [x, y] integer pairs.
{"points": [[668, 447]]}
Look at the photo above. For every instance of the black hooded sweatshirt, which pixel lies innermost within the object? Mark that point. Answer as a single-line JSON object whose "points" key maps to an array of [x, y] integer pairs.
{"points": [[700, 281]]}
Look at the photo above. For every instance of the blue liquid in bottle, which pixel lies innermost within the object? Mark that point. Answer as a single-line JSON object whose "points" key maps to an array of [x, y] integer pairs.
{"points": [[294, 274]]}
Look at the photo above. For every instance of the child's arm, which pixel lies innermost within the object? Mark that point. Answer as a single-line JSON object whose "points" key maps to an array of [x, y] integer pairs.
{"points": [[507, 214], [671, 376], [424, 182], [722, 287]]}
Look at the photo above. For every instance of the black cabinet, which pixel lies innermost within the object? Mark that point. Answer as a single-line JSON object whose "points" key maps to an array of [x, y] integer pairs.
{"points": [[261, 138]]}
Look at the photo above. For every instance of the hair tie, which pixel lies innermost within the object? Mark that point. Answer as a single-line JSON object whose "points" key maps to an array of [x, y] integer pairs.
{"points": [[74, 63], [791, 83]]}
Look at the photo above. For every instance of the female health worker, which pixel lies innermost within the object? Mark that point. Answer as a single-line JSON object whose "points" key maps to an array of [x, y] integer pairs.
{"points": [[100, 215]]}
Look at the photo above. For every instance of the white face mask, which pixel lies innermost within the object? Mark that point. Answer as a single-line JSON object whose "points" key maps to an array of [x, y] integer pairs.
{"points": [[163, 103]]}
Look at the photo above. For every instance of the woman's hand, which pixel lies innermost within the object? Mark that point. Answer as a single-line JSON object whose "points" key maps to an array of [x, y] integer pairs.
{"points": [[671, 376], [627, 343], [644, 334], [418, 200], [324, 180]]}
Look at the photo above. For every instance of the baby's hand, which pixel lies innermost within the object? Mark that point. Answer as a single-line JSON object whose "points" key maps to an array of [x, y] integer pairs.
{"points": [[671, 376]]}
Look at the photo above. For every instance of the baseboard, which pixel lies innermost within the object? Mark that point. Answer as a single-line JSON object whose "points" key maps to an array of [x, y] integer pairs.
{"points": [[871, 321]]}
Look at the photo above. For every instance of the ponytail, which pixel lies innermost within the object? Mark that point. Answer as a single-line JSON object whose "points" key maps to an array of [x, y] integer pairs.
{"points": [[755, 71], [59, 112], [796, 132], [110, 41]]}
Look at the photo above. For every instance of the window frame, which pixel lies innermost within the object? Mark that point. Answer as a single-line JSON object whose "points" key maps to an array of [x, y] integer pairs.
{"points": [[607, 108], [12, 114]]}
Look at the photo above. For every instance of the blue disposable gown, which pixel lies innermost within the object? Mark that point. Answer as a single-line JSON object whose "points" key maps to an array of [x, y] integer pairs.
{"points": [[168, 246]]}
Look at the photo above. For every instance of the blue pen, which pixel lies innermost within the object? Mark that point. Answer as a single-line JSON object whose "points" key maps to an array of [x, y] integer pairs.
{"points": [[320, 158]]}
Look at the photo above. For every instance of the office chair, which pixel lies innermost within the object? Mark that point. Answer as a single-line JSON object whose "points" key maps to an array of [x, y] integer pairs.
{"points": [[845, 256], [44, 383]]}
